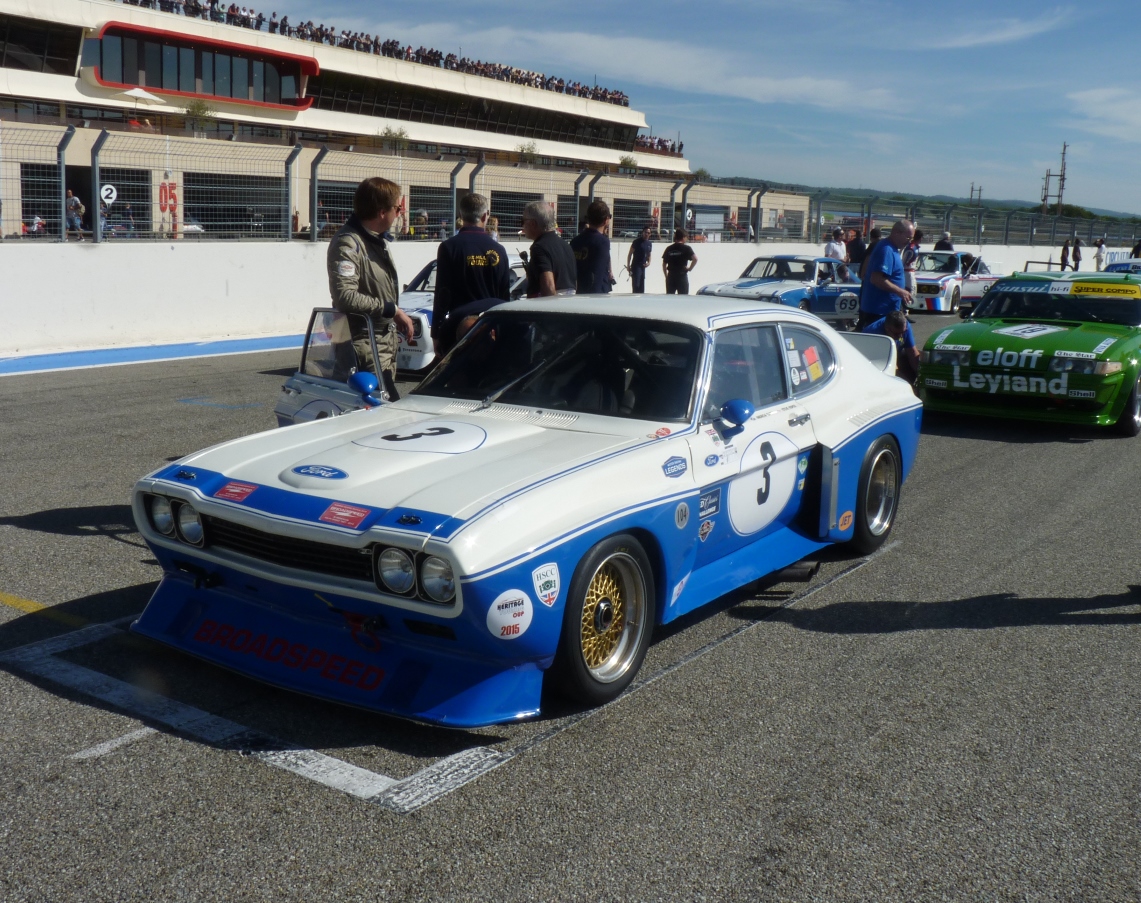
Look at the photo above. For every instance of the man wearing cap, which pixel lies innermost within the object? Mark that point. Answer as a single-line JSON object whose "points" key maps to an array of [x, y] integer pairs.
{"points": [[835, 248], [638, 259], [944, 243]]}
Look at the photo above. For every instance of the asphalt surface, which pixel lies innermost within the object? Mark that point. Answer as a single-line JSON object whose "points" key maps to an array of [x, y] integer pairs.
{"points": [[957, 719]]}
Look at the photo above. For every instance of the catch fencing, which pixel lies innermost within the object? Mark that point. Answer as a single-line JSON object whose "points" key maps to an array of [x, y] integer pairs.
{"points": [[32, 193]]}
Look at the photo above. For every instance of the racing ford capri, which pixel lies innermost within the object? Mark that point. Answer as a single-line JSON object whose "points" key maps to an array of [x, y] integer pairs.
{"points": [[826, 287], [1044, 347], [573, 473]]}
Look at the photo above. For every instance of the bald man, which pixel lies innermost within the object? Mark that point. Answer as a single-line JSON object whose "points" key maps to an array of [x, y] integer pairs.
{"points": [[884, 288]]}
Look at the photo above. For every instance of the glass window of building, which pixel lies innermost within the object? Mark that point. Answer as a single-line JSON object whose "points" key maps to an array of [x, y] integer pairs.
{"points": [[186, 76], [152, 63], [112, 69], [170, 68], [222, 74], [207, 73], [258, 81], [240, 80]]}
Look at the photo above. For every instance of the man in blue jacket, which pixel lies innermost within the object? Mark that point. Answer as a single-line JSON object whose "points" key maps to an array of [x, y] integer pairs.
{"points": [[470, 266]]}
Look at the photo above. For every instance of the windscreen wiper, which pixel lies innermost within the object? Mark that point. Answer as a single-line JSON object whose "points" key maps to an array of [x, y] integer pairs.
{"points": [[494, 396]]}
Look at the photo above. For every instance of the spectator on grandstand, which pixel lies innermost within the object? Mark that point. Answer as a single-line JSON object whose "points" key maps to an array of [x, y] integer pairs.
{"points": [[678, 261], [470, 266], [551, 269], [885, 290], [592, 252], [835, 248], [638, 259]]}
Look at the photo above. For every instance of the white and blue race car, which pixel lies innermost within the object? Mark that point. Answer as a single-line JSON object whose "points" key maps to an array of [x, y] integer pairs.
{"points": [[573, 473], [826, 287], [946, 281]]}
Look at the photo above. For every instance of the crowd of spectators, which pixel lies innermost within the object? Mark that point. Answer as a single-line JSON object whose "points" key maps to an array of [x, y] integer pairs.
{"points": [[244, 17], [658, 145]]}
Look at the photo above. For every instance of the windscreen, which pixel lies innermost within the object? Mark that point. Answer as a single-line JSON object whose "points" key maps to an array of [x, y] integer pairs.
{"points": [[622, 367], [934, 262], [767, 268], [1038, 303]]}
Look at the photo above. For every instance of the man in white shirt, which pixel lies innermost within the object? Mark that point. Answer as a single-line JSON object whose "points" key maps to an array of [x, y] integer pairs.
{"points": [[1099, 255], [836, 248]]}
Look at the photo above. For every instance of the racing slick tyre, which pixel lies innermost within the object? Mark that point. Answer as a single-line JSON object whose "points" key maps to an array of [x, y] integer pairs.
{"points": [[1129, 423], [955, 296], [607, 623], [877, 496], [805, 304]]}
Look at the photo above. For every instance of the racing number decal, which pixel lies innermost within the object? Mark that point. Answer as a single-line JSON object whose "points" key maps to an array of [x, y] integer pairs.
{"points": [[848, 302], [768, 477], [768, 457], [432, 431]]}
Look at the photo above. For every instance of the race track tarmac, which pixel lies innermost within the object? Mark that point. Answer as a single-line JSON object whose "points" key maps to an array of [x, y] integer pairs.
{"points": [[955, 718]]}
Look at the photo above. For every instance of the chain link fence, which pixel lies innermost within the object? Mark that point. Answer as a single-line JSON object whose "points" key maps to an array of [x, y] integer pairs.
{"points": [[32, 181]]}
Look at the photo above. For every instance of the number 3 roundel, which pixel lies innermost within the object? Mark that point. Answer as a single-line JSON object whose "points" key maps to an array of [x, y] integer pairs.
{"points": [[768, 476]]}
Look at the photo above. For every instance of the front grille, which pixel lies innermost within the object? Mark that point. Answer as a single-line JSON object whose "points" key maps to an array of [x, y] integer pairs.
{"points": [[302, 554], [1013, 402]]}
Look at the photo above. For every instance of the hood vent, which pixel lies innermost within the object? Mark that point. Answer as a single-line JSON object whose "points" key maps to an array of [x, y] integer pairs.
{"points": [[513, 413]]}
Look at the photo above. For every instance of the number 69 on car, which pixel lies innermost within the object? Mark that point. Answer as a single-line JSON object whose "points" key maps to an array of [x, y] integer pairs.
{"points": [[575, 472]]}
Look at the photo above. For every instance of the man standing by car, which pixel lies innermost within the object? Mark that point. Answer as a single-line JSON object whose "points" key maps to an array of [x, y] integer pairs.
{"points": [[910, 257], [856, 248], [638, 259], [678, 261], [362, 279], [592, 252], [470, 266], [551, 269], [944, 243], [835, 248], [884, 290]]}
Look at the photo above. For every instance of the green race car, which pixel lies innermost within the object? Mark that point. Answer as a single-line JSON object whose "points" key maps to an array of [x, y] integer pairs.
{"points": [[1042, 346]]}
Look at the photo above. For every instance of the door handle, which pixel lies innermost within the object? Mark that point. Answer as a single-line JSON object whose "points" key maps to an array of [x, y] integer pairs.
{"points": [[801, 419]]}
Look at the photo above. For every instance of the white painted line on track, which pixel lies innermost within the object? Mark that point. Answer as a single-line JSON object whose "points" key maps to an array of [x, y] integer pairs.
{"points": [[401, 796], [101, 749]]}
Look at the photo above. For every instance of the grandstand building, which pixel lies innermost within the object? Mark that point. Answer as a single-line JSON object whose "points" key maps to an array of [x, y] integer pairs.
{"points": [[212, 130]]}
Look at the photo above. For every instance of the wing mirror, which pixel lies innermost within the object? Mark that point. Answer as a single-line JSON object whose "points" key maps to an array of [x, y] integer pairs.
{"points": [[737, 412], [364, 384], [964, 312]]}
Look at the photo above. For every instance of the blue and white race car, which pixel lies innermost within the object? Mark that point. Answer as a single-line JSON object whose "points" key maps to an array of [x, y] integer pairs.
{"points": [[573, 473], [826, 287], [948, 280], [1131, 265]]}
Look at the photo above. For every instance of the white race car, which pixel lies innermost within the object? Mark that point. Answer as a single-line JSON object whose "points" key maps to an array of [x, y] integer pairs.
{"points": [[576, 472], [948, 280]]}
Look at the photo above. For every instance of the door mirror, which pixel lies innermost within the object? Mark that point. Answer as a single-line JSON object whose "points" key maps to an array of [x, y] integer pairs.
{"points": [[364, 383], [737, 411]]}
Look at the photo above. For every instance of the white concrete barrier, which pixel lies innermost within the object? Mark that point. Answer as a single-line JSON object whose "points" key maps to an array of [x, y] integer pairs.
{"points": [[80, 296]]}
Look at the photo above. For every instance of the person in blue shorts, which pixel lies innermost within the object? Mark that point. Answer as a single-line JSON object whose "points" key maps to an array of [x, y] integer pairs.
{"points": [[885, 289], [895, 326]]}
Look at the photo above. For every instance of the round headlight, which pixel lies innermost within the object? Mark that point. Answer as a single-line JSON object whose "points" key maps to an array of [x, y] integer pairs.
{"points": [[161, 515], [396, 570], [437, 579], [189, 524]]}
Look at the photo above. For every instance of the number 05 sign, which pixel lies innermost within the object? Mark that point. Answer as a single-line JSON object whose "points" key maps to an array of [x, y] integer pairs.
{"points": [[168, 197]]}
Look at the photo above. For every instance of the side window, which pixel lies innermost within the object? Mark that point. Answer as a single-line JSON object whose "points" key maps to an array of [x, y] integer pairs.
{"points": [[824, 273], [808, 359], [329, 350], [746, 364]]}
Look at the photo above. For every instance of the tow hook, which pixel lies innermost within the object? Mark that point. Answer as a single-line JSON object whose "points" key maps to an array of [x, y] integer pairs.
{"points": [[202, 577]]}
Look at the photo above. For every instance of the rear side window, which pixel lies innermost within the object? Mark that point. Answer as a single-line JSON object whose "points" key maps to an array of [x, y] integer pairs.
{"points": [[808, 359], [746, 365]]}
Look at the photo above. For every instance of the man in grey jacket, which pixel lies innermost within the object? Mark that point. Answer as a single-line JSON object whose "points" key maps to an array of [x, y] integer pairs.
{"points": [[362, 279]]}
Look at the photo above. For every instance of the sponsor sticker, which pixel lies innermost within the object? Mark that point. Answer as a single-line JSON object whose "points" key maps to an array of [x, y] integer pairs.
{"points": [[795, 374], [510, 615], [802, 465], [1060, 288], [1120, 290], [1029, 330], [845, 520], [790, 344], [952, 347], [662, 431], [674, 467], [942, 337], [546, 580], [804, 376], [712, 460], [709, 504], [1103, 346], [344, 515], [346, 268], [678, 589], [935, 383], [793, 358], [705, 529], [1079, 355], [235, 492], [320, 470], [681, 515], [1081, 393], [800, 484], [713, 434]]}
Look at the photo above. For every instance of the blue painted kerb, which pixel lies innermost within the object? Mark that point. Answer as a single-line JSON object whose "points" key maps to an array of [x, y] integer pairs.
{"points": [[106, 357]]}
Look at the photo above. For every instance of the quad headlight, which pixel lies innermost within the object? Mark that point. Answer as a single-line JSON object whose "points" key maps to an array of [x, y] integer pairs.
{"points": [[949, 358], [162, 517], [396, 570], [189, 524], [437, 579], [1084, 367]]}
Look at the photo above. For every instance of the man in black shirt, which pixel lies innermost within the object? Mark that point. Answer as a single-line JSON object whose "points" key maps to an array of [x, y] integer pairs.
{"points": [[470, 266], [856, 248], [551, 269], [944, 243], [638, 259], [678, 260], [592, 252]]}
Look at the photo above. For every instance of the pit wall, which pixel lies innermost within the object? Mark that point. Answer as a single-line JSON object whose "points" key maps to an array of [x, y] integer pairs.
{"points": [[82, 296]]}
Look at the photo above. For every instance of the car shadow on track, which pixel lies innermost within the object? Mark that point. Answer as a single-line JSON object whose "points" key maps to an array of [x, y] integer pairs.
{"points": [[112, 521], [1016, 432], [976, 613]]}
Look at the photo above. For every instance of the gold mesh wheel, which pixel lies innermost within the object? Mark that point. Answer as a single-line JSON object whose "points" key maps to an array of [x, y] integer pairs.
{"points": [[613, 618]]}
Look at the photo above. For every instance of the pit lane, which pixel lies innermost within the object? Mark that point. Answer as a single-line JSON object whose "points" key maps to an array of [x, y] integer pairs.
{"points": [[953, 718]]}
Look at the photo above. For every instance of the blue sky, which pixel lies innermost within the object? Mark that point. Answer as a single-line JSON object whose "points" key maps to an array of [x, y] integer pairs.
{"points": [[914, 97]]}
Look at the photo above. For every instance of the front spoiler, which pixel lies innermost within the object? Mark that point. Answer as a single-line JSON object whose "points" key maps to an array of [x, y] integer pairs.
{"points": [[350, 660], [1104, 417]]}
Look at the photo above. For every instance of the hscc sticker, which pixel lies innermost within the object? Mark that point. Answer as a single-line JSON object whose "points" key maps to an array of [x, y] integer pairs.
{"points": [[546, 580], [510, 615]]}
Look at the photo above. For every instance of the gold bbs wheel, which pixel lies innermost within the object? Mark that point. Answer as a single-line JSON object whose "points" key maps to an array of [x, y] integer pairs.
{"points": [[607, 623]]}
